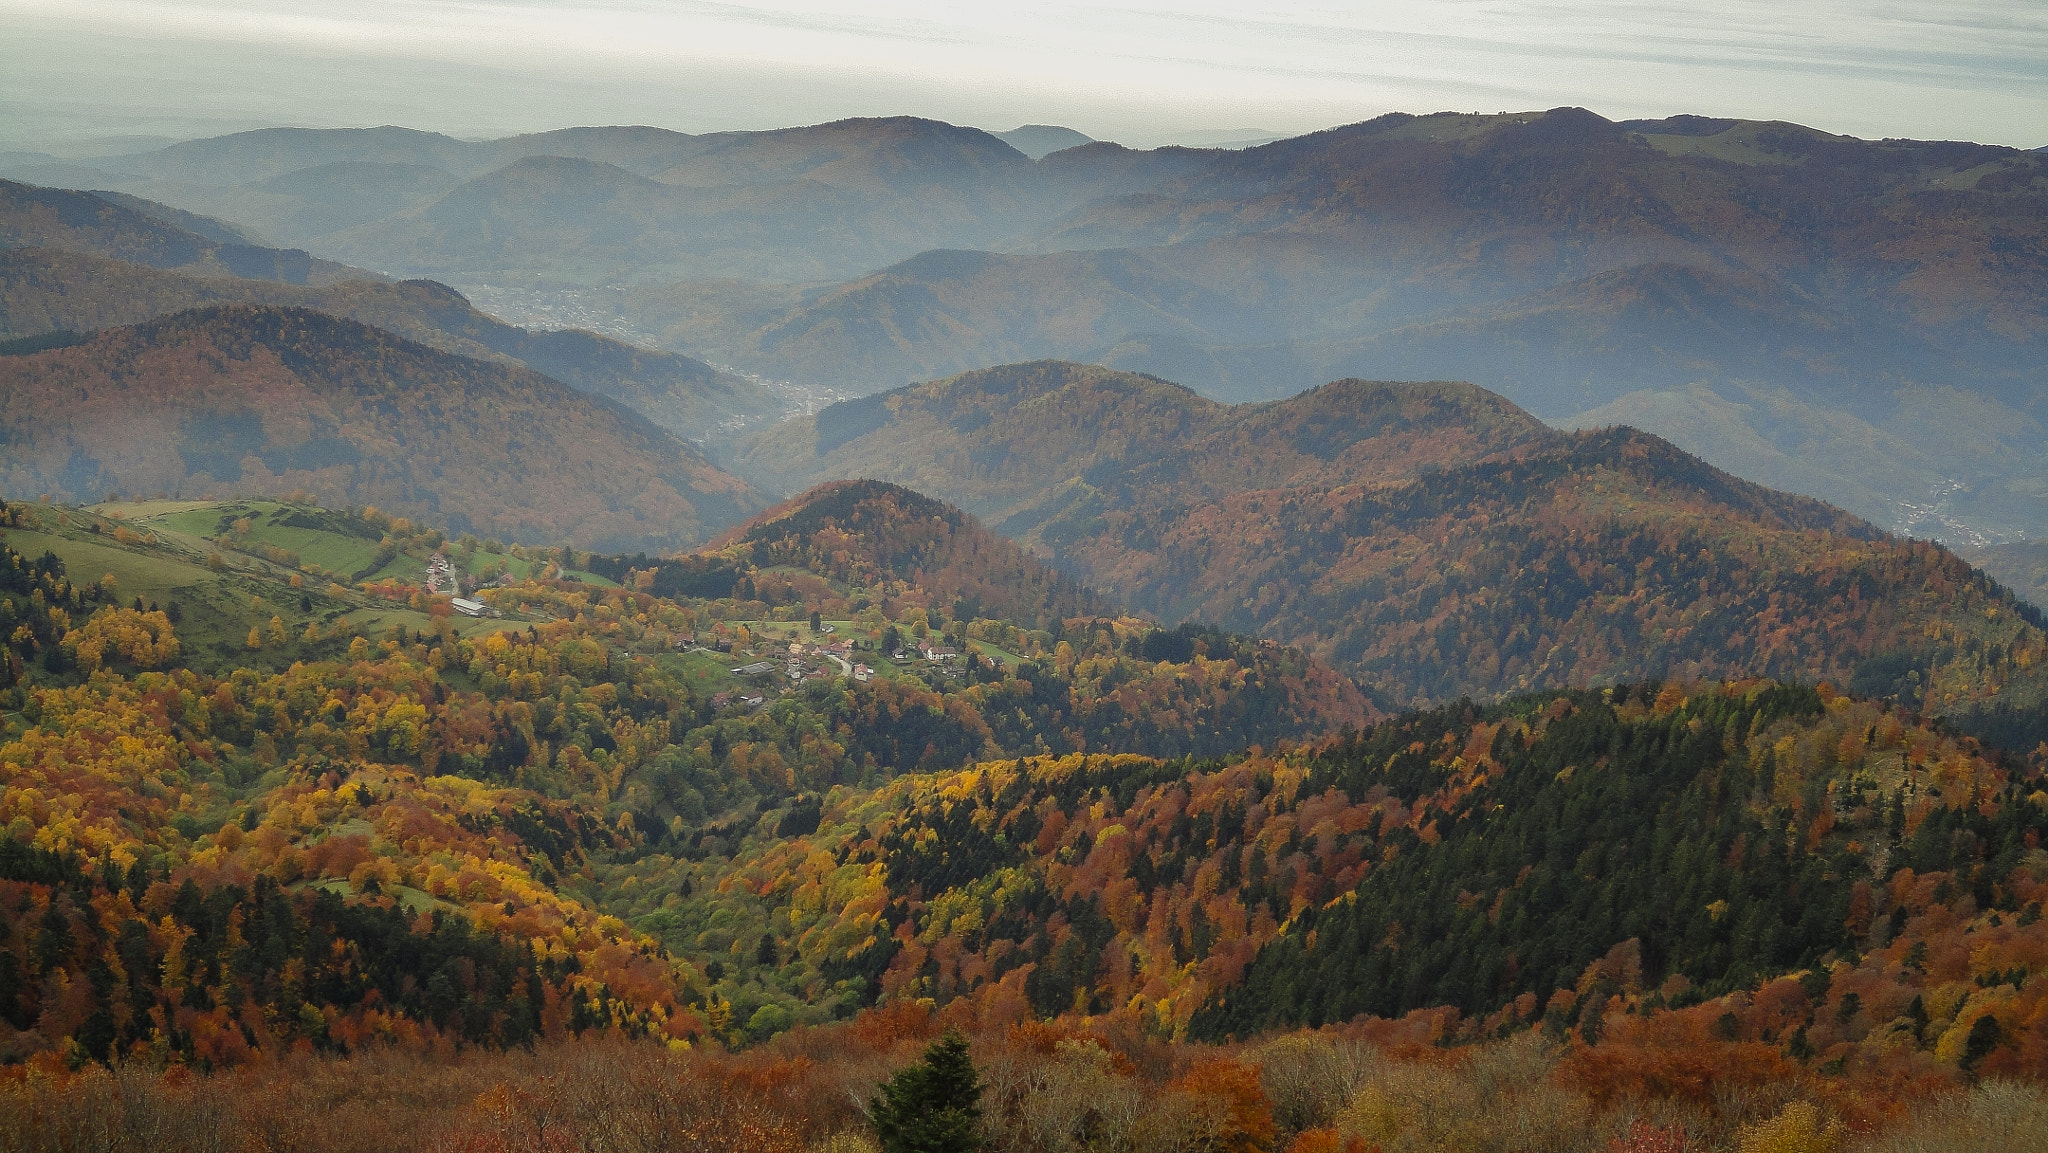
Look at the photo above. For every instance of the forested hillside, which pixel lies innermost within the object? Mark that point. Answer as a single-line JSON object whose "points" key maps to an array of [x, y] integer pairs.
{"points": [[887, 538], [402, 799], [53, 296], [137, 231], [383, 829], [1568, 863], [1714, 836], [1851, 319], [1436, 542], [261, 400]]}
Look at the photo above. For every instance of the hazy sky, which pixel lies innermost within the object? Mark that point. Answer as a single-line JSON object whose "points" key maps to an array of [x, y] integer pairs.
{"points": [[1140, 73]]}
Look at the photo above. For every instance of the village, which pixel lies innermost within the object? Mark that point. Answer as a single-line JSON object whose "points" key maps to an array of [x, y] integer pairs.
{"points": [[444, 579], [768, 657], [792, 658]]}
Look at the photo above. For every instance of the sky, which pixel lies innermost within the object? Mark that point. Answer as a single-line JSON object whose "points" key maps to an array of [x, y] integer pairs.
{"points": [[77, 74]]}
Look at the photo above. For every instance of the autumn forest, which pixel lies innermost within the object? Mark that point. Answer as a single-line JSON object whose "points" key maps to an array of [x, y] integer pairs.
{"points": [[1049, 695]]}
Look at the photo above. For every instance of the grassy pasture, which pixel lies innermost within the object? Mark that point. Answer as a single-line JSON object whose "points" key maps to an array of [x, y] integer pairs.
{"points": [[149, 574]]}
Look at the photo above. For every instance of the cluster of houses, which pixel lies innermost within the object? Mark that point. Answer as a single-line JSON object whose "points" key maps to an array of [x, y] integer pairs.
{"points": [[814, 661], [801, 662], [937, 654], [944, 656], [442, 578]]}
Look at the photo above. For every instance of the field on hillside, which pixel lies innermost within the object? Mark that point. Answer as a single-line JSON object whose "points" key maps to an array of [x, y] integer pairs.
{"points": [[324, 824], [766, 919], [218, 584], [225, 645], [1236, 666]]}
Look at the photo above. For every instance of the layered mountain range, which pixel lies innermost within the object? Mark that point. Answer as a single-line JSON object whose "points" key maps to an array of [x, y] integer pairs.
{"points": [[1856, 320], [75, 263], [1387, 687], [1434, 540], [268, 400]]}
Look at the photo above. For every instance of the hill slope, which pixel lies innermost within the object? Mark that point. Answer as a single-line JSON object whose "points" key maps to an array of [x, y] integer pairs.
{"points": [[124, 229], [392, 828], [820, 202], [46, 290], [875, 535], [1487, 861], [1838, 317], [484, 770], [1433, 540], [247, 399]]}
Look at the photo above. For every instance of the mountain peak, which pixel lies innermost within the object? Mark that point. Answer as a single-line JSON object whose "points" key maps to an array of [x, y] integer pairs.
{"points": [[243, 399], [869, 533], [144, 232], [1038, 140]]}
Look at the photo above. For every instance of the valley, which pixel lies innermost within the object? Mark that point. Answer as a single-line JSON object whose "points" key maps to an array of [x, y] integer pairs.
{"points": [[1451, 631], [1434, 541]]}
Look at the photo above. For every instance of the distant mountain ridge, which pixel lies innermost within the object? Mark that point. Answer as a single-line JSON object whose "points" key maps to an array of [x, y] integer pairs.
{"points": [[1851, 319], [1037, 140], [126, 228], [631, 204], [46, 290], [1826, 293], [1433, 540], [258, 400], [869, 533]]}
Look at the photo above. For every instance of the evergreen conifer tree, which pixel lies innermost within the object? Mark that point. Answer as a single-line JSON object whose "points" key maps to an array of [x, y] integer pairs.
{"points": [[932, 1106]]}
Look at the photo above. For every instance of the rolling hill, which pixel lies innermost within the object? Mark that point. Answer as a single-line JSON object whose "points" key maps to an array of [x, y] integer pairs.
{"points": [[241, 399], [45, 291], [125, 228], [375, 832], [1849, 319], [798, 204], [875, 535], [1036, 140], [1791, 305], [1433, 540]]}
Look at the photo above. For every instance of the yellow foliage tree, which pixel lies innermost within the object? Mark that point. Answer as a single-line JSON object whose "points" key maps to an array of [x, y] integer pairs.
{"points": [[1798, 1129], [144, 640]]}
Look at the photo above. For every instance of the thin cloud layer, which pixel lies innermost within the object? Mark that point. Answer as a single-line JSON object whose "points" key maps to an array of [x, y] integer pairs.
{"points": [[1143, 74]]}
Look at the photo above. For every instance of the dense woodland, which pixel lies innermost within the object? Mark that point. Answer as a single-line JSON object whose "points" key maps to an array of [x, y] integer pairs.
{"points": [[54, 290], [1435, 542], [1375, 770], [495, 767], [1179, 889], [260, 400]]}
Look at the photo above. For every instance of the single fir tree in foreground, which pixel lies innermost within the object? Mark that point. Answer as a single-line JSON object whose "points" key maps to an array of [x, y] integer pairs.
{"points": [[932, 1106]]}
